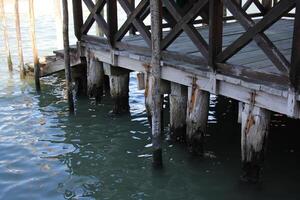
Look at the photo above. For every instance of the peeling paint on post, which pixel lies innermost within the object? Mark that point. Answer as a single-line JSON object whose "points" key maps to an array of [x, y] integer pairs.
{"points": [[197, 116], [255, 128]]}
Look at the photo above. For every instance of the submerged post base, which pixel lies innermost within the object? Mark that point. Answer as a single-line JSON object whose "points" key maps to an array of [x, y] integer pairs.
{"points": [[157, 159]]}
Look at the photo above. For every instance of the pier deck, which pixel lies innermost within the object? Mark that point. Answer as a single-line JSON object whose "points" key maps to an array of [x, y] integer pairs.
{"points": [[248, 72]]}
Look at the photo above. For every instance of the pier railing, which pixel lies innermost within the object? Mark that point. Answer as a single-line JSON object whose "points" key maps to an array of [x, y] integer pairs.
{"points": [[187, 18]]}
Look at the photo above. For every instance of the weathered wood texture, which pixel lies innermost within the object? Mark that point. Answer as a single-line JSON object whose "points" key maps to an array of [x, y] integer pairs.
{"points": [[153, 94], [255, 129], [95, 77], [178, 108], [34, 47], [68, 72], [5, 36], [19, 39], [119, 91], [197, 116]]}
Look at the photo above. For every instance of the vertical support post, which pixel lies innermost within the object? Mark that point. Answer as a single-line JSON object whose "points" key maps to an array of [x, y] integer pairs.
{"points": [[295, 59], [152, 92], [215, 30], [255, 128], [112, 21], [68, 72], [197, 116], [19, 40], [5, 36], [95, 77], [119, 91], [34, 48], [178, 108], [77, 17]]}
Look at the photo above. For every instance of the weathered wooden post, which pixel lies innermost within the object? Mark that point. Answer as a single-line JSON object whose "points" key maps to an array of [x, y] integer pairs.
{"points": [[152, 92], [19, 40], [178, 108], [255, 128], [95, 77], [68, 72], [119, 91], [34, 48], [197, 117], [118, 78], [58, 21], [95, 72], [5, 36]]}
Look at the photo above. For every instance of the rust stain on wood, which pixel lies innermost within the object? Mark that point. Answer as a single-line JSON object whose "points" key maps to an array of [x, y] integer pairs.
{"points": [[193, 95]]}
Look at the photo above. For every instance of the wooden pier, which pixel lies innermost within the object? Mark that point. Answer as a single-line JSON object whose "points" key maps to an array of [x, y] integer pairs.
{"points": [[192, 50]]}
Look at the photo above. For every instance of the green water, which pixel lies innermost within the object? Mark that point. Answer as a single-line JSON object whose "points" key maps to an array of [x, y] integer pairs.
{"points": [[47, 154]]}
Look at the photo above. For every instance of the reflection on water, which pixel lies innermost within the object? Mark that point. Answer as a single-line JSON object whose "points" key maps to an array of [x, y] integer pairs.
{"points": [[46, 154]]}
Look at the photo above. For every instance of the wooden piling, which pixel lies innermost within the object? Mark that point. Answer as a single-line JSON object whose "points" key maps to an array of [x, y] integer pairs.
{"points": [[5, 36], [178, 108], [255, 128], [119, 91], [95, 77], [152, 92], [59, 23], [19, 40], [34, 48], [68, 72], [197, 116]]}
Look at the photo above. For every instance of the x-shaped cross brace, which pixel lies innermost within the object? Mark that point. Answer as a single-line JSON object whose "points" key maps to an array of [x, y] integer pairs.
{"points": [[260, 7], [256, 32], [134, 20], [94, 15], [183, 24]]}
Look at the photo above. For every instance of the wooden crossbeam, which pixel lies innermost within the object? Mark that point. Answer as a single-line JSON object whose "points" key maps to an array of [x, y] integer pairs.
{"points": [[183, 24], [260, 7], [94, 15], [133, 19], [255, 31]]}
